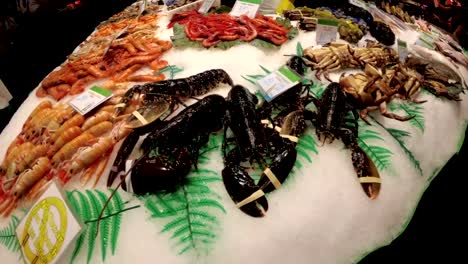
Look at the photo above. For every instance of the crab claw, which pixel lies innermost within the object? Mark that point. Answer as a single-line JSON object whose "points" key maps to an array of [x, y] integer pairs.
{"points": [[367, 172], [243, 191]]}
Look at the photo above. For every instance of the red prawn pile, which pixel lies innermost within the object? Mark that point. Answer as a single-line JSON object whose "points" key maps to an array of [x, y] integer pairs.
{"points": [[213, 28]]}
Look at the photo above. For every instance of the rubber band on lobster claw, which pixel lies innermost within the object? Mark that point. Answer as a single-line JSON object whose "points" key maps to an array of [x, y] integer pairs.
{"points": [[367, 172], [240, 187]]}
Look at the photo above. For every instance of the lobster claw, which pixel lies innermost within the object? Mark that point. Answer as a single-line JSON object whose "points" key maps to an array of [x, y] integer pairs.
{"points": [[282, 165], [367, 172], [240, 186]]}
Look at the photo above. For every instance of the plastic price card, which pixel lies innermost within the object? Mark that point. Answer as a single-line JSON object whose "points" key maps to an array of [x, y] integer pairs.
{"points": [[278, 82], [326, 31], [246, 7], [90, 99], [402, 50]]}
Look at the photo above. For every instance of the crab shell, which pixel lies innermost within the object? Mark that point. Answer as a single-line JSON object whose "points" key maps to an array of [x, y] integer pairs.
{"points": [[354, 85]]}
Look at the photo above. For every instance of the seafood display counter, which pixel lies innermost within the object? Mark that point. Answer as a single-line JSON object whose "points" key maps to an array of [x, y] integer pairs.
{"points": [[221, 138]]}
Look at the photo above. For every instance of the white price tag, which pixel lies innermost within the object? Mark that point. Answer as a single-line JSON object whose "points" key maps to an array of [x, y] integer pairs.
{"points": [[358, 3], [205, 7], [48, 229], [246, 7], [402, 50], [91, 98], [326, 31], [277, 82]]}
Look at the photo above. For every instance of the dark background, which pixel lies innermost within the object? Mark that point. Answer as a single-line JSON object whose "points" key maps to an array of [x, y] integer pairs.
{"points": [[436, 234]]}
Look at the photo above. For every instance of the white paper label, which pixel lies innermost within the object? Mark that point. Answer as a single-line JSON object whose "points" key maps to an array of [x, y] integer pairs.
{"points": [[402, 50], [205, 7], [358, 3], [91, 98], [277, 82], [326, 31], [246, 7], [48, 229]]}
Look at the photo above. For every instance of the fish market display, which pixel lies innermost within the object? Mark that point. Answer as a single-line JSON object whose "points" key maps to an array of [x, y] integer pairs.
{"points": [[213, 29], [235, 155]]}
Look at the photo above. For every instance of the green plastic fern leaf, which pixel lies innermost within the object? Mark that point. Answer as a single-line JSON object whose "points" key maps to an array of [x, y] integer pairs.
{"points": [[104, 229], [80, 208], [88, 206], [92, 227], [191, 213], [317, 89], [8, 235], [265, 69], [249, 80], [379, 155], [399, 135], [411, 109], [299, 49], [117, 206]]}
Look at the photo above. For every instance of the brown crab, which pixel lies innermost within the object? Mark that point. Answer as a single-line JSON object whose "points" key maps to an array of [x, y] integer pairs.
{"points": [[372, 90], [336, 56]]}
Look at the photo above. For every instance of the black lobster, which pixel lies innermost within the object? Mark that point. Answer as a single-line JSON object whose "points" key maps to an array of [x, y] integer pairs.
{"points": [[171, 150], [253, 142], [330, 122]]}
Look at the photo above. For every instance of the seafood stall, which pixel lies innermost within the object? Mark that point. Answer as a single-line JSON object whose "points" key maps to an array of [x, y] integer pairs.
{"points": [[210, 134]]}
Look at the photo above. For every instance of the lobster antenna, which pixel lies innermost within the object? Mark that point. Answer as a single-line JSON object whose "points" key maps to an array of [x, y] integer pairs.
{"points": [[116, 188]]}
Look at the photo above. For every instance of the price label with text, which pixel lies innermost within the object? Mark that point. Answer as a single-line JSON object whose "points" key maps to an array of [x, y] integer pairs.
{"points": [[205, 7], [278, 82], [246, 7], [326, 31], [91, 98], [402, 50]]}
